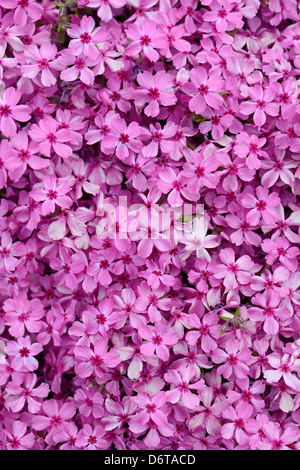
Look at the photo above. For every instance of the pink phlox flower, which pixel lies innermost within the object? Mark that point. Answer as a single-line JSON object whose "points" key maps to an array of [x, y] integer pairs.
{"points": [[8, 252], [234, 272], [81, 67], [11, 111], [124, 139], [40, 63], [158, 339], [56, 414], [248, 393], [52, 191], [276, 438], [89, 402], [23, 351], [155, 90], [85, 37], [238, 418], [105, 8], [95, 360], [216, 121], [51, 136], [181, 388], [23, 315], [16, 436], [269, 311], [24, 154], [281, 249], [24, 11], [160, 138], [20, 392], [52, 328], [249, 147], [208, 414], [200, 169], [262, 103], [170, 35], [119, 413], [143, 38], [155, 275], [283, 367], [204, 89], [242, 232], [204, 331], [235, 359], [223, 17], [261, 205]]}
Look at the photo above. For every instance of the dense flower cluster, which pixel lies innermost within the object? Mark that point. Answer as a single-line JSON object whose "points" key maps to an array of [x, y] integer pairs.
{"points": [[112, 337]]}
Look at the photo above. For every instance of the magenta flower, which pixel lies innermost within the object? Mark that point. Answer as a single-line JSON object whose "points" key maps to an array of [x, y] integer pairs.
{"points": [[277, 439], [90, 439], [80, 67], [280, 249], [23, 352], [93, 361], [175, 185], [16, 436], [53, 192], [40, 63], [24, 391], [201, 170], [50, 136], [260, 206], [104, 7], [205, 90], [24, 154], [155, 90], [24, 10], [262, 103], [283, 367], [157, 338], [249, 147], [222, 15], [143, 38], [237, 418], [209, 414], [269, 310], [160, 138], [123, 139], [23, 315], [85, 37], [180, 388], [234, 272], [55, 415], [235, 359], [8, 252], [89, 402], [11, 111]]}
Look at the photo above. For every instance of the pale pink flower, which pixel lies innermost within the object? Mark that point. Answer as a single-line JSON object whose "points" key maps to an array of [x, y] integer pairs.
{"points": [[235, 359], [53, 191], [23, 352], [85, 37], [22, 391], [181, 386], [11, 111], [51, 136], [155, 90], [40, 63], [142, 38], [234, 272], [262, 103]]}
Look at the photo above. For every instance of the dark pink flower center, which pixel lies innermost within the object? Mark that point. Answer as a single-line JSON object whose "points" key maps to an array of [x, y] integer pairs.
{"points": [[85, 38], [24, 352]]}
